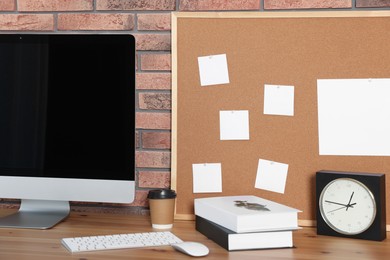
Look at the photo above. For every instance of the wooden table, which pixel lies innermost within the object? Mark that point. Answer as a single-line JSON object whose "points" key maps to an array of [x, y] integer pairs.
{"points": [[45, 244]]}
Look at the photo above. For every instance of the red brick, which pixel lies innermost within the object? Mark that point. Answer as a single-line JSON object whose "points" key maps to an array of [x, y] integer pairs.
{"points": [[152, 159], [191, 5], [156, 62], [146, 120], [372, 3], [54, 5], [27, 22], [7, 5], [153, 80], [156, 140], [304, 4], [95, 21], [153, 42], [154, 100], [154, 179], [135, 5], [155, 22]]}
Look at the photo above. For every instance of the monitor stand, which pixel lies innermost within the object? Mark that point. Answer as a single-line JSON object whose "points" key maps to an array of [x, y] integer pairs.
{"points": [[37, 214]]}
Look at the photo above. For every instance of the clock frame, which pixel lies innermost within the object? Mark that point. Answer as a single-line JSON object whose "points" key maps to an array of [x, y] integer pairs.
{"points": [[375, 184]]}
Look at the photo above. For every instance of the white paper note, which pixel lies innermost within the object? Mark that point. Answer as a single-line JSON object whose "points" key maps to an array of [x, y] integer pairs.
{"points": [[354, 117], [234, 125], [207, 177], [213, 70], [271, 176], [279, 100]]}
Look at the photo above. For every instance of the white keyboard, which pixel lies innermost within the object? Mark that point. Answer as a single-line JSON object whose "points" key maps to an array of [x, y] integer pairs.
{"points": [[120, 241]]}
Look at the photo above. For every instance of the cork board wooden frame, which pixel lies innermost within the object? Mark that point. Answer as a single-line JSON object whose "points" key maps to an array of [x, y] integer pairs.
{"points": [[281, 48]]}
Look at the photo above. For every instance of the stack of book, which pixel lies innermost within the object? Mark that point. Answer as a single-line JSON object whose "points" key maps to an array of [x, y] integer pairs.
{"points": [[246, 222]]}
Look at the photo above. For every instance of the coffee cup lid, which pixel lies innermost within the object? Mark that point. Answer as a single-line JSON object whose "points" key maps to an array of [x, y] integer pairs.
{"points": [[161, 194]]}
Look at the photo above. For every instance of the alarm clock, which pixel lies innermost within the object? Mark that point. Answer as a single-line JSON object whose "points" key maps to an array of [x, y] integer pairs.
{"points": [[351, 205]]}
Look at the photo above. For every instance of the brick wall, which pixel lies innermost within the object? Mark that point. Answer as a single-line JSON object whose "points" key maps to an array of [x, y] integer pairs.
{"points": [[149, 21]]}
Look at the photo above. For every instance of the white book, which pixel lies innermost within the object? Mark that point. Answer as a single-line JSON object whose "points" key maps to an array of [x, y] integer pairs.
{"points": [[247, 213]]}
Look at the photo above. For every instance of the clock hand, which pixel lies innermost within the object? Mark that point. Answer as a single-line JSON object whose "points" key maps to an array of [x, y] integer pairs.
{"points": [[350, 206], [349, 202], [351, 197], [345, 205], [337, 209]]}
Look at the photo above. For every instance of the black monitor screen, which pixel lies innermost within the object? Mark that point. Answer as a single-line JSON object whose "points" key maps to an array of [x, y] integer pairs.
{"points": [[67, 106]]}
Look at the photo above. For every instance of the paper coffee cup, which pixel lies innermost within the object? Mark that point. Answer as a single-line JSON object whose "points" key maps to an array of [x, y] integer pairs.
{"points": [[162, 208]]}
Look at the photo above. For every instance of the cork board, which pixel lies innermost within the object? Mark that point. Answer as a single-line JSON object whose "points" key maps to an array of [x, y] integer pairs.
{"points": [[282, 48]]}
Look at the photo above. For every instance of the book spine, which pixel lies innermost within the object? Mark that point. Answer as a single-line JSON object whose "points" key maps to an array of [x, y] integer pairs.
{"points": [[212, 232]]}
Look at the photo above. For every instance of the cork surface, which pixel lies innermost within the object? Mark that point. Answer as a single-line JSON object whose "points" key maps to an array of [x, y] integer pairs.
{"points": [[290, 50]]}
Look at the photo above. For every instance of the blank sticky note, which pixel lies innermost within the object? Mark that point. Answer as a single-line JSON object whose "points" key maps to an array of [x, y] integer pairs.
{"points": [[271, 176], [234, 125], [279, 100], [353, 117], [213, 70], [207, 177]]}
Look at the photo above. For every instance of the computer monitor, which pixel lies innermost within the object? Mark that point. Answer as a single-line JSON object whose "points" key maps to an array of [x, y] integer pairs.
{"points": [[67, 123]]}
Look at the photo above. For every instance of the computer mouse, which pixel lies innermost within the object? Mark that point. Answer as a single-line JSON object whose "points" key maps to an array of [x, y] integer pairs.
{"points": [[192, 248]]}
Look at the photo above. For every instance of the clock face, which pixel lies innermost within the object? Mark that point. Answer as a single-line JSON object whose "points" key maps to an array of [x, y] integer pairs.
{"points": [[347, 206]]}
